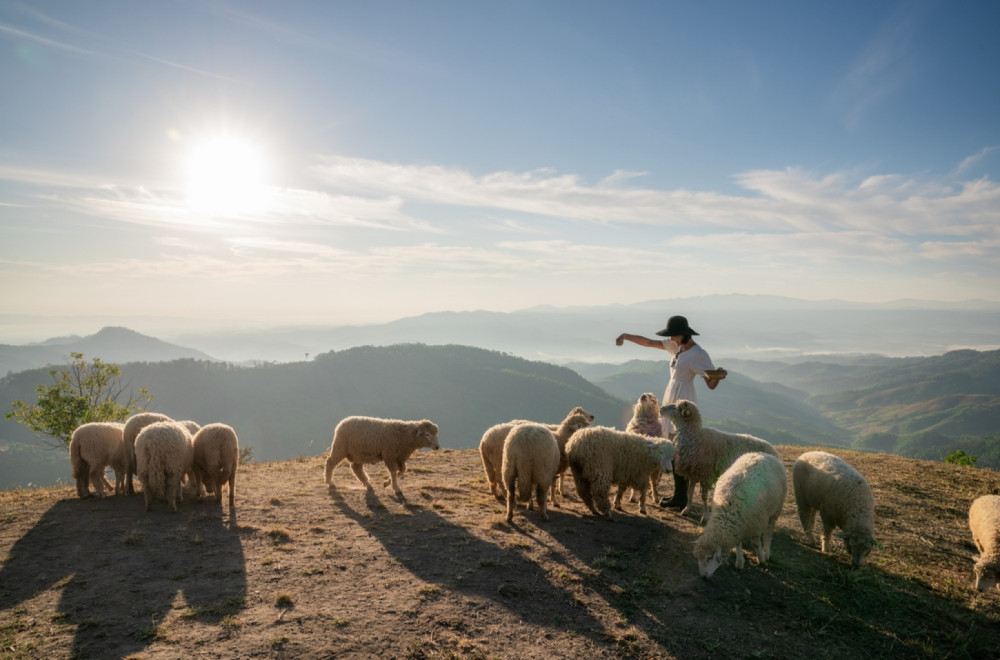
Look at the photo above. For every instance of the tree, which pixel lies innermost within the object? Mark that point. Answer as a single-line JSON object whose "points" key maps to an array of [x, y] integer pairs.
{"points": [[959, 457], [82, 393]]}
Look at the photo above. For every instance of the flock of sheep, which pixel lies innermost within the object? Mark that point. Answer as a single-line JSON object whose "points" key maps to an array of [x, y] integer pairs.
{"points": [[742, 475]]}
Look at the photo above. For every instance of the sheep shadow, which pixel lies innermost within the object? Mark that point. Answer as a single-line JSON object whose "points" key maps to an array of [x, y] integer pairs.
{"points": [[120, 570]]}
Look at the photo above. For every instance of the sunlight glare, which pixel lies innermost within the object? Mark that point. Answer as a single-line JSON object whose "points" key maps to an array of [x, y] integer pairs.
{"points": [[225, 175]]}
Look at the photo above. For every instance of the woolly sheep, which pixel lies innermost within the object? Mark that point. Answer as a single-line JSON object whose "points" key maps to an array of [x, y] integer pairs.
{"points": [[216, 456], [164, 453], [704, 453], [93, 447], [369, 439], [984, 521], [133, 425], [646, 420], [530, 461], [600, 457], [746, 504], [826, 483], [491, 446]]}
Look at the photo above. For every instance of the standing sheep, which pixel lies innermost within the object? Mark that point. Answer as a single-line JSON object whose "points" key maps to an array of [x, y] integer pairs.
{"points": [[133, 425], [93, 447], [746, 504], [984, 521], [530, 462], [646, 420], [704, 453], [164, 453], [601, 457], [369, 439], [826, 483], [216, 456]]}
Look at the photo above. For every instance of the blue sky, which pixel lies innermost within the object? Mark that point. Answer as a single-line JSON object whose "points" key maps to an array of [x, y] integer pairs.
{"points": [[266, 163]]}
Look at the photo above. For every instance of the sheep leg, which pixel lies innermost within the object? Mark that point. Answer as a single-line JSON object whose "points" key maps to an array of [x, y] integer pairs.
{"points": [[83, 479], [147, 495], [585, 493], [642, 501], [540, 494], [511, 497], [232, 485], [552, 495], [690, 496], [828, 528], [807, 516], [396, 470], [602, 497], [739, 555], [359, 472], [97, 477], [618, 498]]}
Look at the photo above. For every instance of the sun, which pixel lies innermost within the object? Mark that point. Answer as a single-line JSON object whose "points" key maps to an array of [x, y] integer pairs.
{"points": [[226, 175]]}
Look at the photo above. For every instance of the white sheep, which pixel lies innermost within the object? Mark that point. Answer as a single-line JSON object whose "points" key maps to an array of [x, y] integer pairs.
{"points": [[746, 504], [92, 448], [704, 453], [530, 462], [491, 447], [216, 456], [984, 521], [370, 439], [826, 483], [646, 420], [600, 457], [164, 453], [133, 425]]}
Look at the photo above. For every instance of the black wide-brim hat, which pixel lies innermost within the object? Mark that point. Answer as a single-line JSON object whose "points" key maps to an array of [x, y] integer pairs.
{"points": [[676, 325]]}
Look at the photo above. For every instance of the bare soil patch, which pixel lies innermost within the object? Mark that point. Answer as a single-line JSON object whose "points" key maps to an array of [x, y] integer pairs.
{"points": [[300, 571]]}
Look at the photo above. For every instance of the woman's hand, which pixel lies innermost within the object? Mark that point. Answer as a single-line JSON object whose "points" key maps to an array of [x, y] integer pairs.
{"points": [[620, 340]]}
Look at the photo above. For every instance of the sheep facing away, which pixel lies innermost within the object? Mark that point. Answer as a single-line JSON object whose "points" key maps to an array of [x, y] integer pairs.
{"points": [[600, 457], [746, 504], [92, 448], [984, 521], [646, 420], [704, 453], [133, 425], [364, 440], [216, 457], [826, 484], [530, 461], [164, 454]]}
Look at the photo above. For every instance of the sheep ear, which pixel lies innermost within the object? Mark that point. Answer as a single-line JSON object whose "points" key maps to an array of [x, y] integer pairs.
{"points": [[718, 555]]}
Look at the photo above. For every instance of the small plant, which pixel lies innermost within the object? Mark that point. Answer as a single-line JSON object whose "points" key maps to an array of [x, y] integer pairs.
{"points": [[279, 535], [284, 600], [959, 457], [133, 537]]}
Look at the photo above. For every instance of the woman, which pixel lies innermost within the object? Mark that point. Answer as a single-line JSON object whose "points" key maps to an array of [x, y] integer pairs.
{"points": [[688, 361]]}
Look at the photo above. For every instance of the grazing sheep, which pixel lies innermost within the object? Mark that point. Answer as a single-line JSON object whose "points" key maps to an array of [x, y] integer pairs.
{"points": [[530, 461], [164, 453], [646, 420], [93, 447], [133, 425], [369, 439], [746, 503], [704, 453], [826, 483], [984, 521], [216, 456], [491, 446], [600, 457]]}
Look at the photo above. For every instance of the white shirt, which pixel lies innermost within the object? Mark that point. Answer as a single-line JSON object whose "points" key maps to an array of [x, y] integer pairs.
{"points": [[684, 366]]}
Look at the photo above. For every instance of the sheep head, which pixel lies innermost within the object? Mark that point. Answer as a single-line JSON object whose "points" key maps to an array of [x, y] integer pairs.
{"points": [[859, 545], [427, 431], [647, 403], [986, 576], [580, 411], [662, 452], [683, 412], [708, 562]]}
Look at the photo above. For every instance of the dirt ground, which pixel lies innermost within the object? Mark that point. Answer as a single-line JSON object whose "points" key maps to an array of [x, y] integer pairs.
{"points": [[301, 571]]}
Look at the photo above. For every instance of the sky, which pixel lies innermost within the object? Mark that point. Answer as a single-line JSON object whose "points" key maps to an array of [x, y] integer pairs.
{"points": [[272, 163]]}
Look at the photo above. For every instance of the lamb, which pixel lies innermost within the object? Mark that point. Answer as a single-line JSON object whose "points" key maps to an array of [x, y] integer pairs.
{"points": [[164, 453], [984, 521], [369, 439], [491, 446], [133, 425], [93, 447], [216, 456], [600, 457], [746, 504], [646, 420], [530, 461], [826, 483], [704, 453]]}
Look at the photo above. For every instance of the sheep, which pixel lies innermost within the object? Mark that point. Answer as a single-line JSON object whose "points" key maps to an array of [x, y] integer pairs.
{"points": [[164, 453], [746, 504], [93, 447], [646, 420], [369, 439], [491, 447], [704, 453], [984, 521], [530, 461], [600, 457], [216, 456], [133, 425], [826, 483]]}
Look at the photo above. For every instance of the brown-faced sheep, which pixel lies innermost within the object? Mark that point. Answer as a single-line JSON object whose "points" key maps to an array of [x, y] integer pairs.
{"points": [[216, 456], [646, 421], [93, 447], [163, 453], [826, 483], [370, 439], [530, 461], [704, 453], [984, 521], [133, 425]]}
